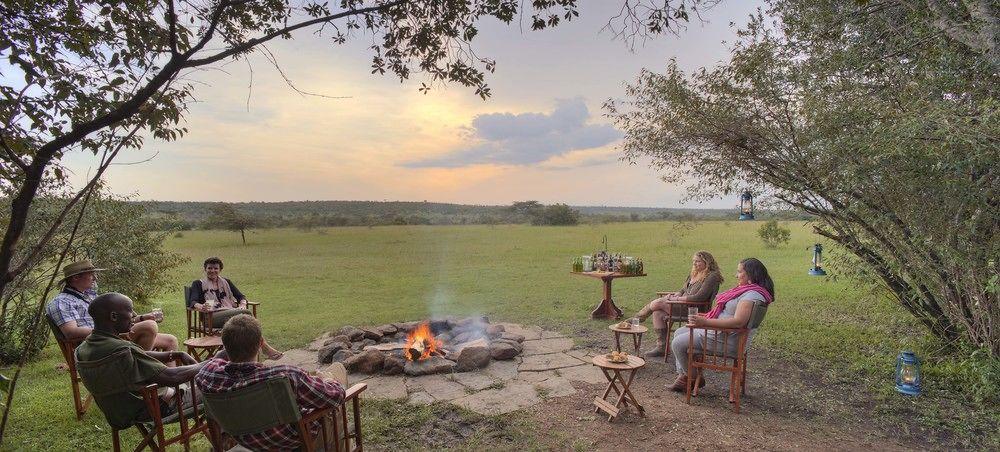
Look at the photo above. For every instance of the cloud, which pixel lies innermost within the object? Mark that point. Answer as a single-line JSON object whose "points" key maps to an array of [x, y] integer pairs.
{"points": [[527, 138]]}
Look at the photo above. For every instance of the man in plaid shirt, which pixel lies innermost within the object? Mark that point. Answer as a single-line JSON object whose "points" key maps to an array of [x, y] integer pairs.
{"points": [[241, 337]]}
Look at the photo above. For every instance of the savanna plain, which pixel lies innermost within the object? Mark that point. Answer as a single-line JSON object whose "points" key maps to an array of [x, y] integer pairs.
{"points": [[822, 361]]}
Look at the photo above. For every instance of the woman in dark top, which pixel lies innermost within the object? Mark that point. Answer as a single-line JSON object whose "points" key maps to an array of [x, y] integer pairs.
{"points": [[218, 293], [700, 287]]}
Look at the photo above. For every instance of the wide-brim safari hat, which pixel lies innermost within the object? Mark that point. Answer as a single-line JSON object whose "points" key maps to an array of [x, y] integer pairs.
{"points": [[76, 268]]}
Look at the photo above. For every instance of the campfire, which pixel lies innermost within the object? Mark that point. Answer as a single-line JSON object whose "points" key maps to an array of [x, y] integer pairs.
{"points": [[420, 348], [421, 344]]}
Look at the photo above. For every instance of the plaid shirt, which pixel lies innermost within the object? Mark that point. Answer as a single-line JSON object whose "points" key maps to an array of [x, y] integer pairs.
{"points": [[311, 393], [71, 305]]}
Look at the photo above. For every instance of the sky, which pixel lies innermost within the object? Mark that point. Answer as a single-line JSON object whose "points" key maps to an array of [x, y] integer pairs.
{"points": [[542, 135]]}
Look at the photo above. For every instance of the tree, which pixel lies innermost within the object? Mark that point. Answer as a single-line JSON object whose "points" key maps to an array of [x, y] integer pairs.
{"points": [[868, 118], [530, 211], [773, 235], [225, 216], [558, 215]]}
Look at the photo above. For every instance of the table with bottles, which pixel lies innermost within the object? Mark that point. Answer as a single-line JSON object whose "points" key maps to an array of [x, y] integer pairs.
{"points": [[607, 267]]}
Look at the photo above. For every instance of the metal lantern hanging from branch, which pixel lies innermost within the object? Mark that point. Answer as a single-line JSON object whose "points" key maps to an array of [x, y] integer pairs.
{"points": [[908, 373], [817, 269], [746, 205]]}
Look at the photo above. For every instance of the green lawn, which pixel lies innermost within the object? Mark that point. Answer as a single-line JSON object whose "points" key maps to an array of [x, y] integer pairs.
{"points": [[310, 282]]}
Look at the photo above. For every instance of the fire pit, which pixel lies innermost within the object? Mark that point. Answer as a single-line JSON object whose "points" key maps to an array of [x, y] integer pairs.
{"points": [[420, 348]]}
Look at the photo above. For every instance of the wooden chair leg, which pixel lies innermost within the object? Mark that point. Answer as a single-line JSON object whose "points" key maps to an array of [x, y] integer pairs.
{"points": [[357, 425], [743, 377], [116, 442], [666, 351]]}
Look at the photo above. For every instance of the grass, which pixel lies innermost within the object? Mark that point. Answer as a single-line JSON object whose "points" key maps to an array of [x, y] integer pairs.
{"points": [[309, 282]]}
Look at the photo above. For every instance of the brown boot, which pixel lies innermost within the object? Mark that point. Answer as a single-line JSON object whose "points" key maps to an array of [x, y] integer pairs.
{"points": [[643, 313], [661, 344], [680, 384]]}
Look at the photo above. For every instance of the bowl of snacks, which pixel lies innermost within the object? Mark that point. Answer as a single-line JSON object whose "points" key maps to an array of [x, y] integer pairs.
{"points": [[624, 325], [617, 357]]}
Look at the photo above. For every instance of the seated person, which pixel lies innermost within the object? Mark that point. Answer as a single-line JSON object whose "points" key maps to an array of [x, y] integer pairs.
{"points": [[227, 299], [242, 338], [732, 310], [112, 314], [69, 310], [700, 287]]}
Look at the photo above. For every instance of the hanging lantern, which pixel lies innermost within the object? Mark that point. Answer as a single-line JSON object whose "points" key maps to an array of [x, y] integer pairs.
{"points": [[817, 269], [908, 373], [746, 206]]}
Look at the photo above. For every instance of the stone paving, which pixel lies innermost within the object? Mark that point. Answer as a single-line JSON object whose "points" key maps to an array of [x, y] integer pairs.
{"points": [[549, 367]]}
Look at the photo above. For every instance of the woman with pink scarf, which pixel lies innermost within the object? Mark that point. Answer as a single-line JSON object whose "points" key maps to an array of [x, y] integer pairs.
{"points": [[732, 310]]}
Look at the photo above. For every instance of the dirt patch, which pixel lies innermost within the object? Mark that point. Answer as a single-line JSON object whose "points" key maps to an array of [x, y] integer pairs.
{"points": [[780, 412]]}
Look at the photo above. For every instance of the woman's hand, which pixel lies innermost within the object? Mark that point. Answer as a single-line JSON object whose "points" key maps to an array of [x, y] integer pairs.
{"points": [[243, 304], [699, 320], [199, 306]]}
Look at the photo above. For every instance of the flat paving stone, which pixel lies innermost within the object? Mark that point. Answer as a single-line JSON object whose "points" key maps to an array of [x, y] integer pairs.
{"points": [[535, 377], [546, 334], [421, 398], [543, 346], [547, 362], [474, 380], [299, 358], [514, 396], [383, 387], [357, 378], [555, 387], [587, 373], [529, 332], [438, 386], [583, 355], [501, 370]]}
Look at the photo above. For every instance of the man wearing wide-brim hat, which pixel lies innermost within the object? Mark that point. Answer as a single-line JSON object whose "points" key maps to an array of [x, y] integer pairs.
{"points": [[68, 310]]}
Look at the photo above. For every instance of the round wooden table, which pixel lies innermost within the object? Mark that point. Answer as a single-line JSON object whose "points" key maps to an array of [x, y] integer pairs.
{"points": [[202, 348], [634, 331], [619, 384]]}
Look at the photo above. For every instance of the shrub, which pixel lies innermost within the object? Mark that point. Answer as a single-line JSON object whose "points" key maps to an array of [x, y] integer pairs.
{"points": [[773, 235]]}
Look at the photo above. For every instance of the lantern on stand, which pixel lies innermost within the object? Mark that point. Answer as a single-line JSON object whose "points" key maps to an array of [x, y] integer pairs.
{"points": [[908, 373], [746, 206], [817, 269]]}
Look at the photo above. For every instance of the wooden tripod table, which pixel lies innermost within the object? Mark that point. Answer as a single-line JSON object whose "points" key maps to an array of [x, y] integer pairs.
{"points": [[203, 347], [607, 308], [613, 372], [635, 331]]}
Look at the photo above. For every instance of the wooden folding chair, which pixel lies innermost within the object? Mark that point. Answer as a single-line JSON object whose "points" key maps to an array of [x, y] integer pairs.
{"points": [[713, 354], [271, 403], [199, 322], [67, 347], [703, 306], [109, 376]]}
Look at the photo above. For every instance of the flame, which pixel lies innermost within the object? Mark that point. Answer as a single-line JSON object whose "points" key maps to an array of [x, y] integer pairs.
{"points": [[422, 340]]}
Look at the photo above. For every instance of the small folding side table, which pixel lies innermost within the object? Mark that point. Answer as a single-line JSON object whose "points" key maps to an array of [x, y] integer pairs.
{"points": [[619, 384]]}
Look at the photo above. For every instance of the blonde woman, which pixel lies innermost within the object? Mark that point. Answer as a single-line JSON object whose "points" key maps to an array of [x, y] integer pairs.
{"points": [[700, 287]]}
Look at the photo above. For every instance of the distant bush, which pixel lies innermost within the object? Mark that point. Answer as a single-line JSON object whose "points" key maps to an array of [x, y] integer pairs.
{"points": [[773, 235], [557, 215], [178, 235]]}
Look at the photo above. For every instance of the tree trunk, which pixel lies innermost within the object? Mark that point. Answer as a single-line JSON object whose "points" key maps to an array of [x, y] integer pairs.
{"points": [[243, 234]]}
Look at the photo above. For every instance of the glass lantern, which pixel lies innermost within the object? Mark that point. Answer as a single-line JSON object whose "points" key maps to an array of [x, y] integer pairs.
{"points": [[746, 206], [908, 373], [817, 261]]}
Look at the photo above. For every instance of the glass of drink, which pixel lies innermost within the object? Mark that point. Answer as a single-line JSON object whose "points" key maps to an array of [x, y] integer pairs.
{"points": [[692, 313], [634, 321], [210, 304], [157, 314]]}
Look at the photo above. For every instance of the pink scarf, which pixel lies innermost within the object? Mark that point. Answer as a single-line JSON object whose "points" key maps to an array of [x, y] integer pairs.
{"points": [[734, 293]]}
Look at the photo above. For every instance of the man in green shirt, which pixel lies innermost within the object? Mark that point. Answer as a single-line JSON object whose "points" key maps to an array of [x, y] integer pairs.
{"points": [[113, 315]]}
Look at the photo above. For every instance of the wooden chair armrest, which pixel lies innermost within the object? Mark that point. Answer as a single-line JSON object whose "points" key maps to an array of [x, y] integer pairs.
{"points": [[316, 414], [724, 330], [355, 391], [660, 294], [253, 303], [687, 303]]}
